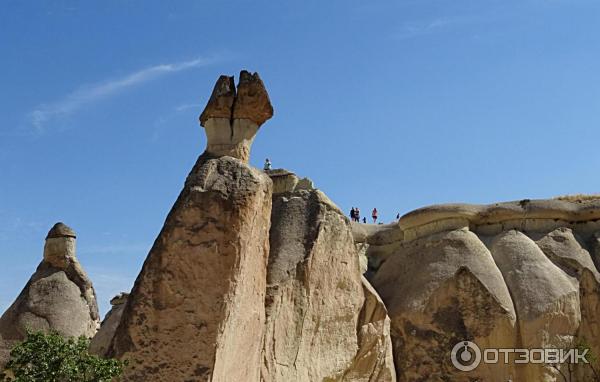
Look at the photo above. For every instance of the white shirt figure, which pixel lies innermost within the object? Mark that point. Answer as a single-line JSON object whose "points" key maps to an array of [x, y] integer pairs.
{"points": [[267, 165]]}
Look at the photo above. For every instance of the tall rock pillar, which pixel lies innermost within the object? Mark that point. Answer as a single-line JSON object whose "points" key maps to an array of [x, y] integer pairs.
{"points": [[196, 311]]}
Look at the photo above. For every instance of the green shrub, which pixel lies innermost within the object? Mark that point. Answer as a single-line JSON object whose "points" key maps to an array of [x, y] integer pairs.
{"points": [[52, 358]]}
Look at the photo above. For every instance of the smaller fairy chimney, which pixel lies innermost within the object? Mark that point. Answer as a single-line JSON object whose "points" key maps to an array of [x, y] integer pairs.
{"points": [[59, 249], [59, 296], [232, 116]]}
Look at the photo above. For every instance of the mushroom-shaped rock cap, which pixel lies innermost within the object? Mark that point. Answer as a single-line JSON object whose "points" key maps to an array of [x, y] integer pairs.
{"points": [[250, 100], [60, 230], [220, 104]]}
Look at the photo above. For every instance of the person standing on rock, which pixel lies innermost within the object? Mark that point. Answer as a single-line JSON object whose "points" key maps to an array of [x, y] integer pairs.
{"points": [[374, 215], [365, 220], [353, 214], [357, 214], [268, 165]]}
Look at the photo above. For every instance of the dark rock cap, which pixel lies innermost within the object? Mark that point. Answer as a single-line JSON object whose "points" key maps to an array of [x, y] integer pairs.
{"points": [[220, 103], [250, 100], [60, 230]]}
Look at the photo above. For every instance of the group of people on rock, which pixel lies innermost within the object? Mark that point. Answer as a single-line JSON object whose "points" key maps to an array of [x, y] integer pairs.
{"points": [[355, 215], [354, 212]]}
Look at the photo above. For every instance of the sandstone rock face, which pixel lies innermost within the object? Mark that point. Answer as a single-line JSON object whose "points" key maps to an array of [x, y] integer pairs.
{"points": [[196, 311], [589, 330], [4, 352], [232, 118], [548, 308], [286, 181], [101, 341], [442, 291], [324, 323], [59, 296], [283, 180], [374, 360], [567, 250], [517, 274]]}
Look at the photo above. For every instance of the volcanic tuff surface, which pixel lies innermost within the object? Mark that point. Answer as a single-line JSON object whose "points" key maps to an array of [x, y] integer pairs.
{"points": [[517, 274], [324, 321]]}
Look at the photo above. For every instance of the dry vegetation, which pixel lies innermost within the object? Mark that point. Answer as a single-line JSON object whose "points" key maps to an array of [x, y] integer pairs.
{"points": [[578, 198]]}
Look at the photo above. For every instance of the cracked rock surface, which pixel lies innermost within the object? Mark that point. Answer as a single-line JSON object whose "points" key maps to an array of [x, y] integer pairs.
{"points": [[233, 116]]}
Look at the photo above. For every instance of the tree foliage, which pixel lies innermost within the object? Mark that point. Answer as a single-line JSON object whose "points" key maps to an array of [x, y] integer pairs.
{"points": [[52, 358]]}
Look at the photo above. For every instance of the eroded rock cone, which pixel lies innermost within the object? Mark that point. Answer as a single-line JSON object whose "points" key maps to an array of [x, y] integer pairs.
{"points": [[59, 296], [232, 117], [196, 311], [101, 341], [324, 322]]}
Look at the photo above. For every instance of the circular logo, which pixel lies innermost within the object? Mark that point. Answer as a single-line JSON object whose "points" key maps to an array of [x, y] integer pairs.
{"points": [[466, 356]]}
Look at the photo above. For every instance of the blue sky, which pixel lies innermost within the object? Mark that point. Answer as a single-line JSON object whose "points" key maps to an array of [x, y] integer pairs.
{"points": [[387, 104]]}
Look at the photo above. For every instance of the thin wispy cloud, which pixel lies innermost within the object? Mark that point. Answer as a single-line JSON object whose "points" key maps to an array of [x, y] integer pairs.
{"points": [[423, 28], [89, 94], [187, 106], [161, 123]]}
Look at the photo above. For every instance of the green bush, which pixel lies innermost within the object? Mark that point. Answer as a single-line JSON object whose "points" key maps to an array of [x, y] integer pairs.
{"points": [[52, 358]]}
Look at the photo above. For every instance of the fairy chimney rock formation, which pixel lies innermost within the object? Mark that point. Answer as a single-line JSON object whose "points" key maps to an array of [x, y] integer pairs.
{"points": [[196, 311], [59, 296], [232, 116]]}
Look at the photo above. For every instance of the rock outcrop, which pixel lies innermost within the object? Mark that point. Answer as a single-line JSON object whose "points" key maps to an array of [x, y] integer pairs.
{"points": [[517, 274], [101, 341], [232, 117], [546, 300], [59, 295], [196, 311], [235, 291], [324, 323], [442, 291]]}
